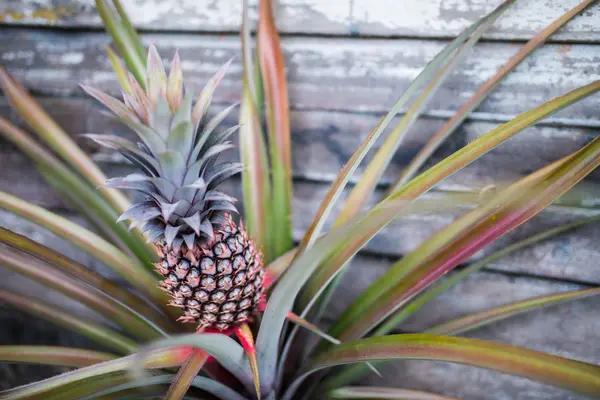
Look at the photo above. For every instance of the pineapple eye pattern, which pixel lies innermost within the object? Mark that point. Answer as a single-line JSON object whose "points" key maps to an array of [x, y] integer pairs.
{"points": [[211, 268]]}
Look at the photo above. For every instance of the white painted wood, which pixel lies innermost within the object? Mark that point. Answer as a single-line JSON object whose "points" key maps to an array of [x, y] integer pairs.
{"points": [[424, 18], [330, 74]]}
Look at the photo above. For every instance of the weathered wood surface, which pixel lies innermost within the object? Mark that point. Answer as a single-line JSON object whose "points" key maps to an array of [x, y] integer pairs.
{"points": [[323, 73], [566, 257], [432, 18], [339, 86], [323, 141]]}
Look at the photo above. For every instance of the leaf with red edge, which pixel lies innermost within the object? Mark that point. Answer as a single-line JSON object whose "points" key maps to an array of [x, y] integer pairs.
{"points": [[186, 374], [57, 139], [246, 338], [485, 317], [278, 129], [445, 168], [481, 94], [224, 349], [253, 153], [371, 392], [128, 267], [460, 240], [553, 370], [50, 312], [53, 355], [56, 385], [70, 286]]}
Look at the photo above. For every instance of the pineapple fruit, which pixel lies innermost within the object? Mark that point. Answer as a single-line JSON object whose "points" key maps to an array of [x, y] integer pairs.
{"points": [[211, 268]]}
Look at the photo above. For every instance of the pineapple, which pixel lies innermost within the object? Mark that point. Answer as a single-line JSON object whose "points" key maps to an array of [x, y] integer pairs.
{"points": [[211, 269]]}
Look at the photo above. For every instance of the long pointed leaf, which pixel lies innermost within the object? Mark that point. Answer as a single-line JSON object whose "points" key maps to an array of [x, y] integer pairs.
{"points": [[362, 392], [253, 153], [186, 374], [353, 373], [481, 94], [56, 138], [450, 165], [553, 370], [55, 385], [370, 177], [209, 385], [128, 44], [461, 239], [223, 348], [278, 129], [482, 318], [87, 275], [96, 332], [131, 32], [78, 192], [452, 280], [77, 290], [282, 298], [52, 355], [125, 266]]}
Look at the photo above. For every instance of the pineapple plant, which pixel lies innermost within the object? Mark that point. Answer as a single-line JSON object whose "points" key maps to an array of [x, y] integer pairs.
{"points": [[215, 275], [211, 268]]}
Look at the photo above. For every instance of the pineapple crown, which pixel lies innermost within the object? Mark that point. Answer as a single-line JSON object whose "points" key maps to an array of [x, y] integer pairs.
{"points": [[176, 153]]}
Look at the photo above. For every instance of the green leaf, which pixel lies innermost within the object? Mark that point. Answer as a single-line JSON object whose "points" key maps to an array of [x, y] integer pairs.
{"points": [[414, 305], [278, 129], [120, 71], [57, 139], [52, 355], [131, 32], [432, 68], [372, 174], [486, 317], [185, 376], [54, 387], [208, 385], [223, 348], [92, 278], [253, 154], [370, 392], [91, 243], [78, 192], [554, 370], [481, 94], [449, 166], [461, 239], [124, 37], [355, 202], [96, 332], [353, 373], [347, 236], [68, 285]]}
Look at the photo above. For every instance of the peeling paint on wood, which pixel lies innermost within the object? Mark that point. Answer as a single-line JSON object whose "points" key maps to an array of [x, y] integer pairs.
{"points": [[404, 235], [409, 18], [330, 74]]}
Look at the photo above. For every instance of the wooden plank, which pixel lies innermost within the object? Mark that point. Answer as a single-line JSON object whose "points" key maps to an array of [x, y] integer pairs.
{"points": [[323, 141], [327, 73], [562, 330], [426, 18], [566, 257]]}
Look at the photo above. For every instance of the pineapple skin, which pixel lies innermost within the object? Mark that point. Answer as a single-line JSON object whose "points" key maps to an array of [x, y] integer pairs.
{"points": [[218, 284]]}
